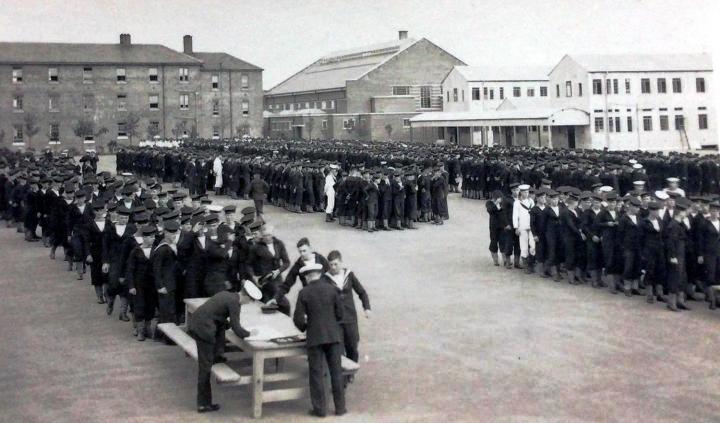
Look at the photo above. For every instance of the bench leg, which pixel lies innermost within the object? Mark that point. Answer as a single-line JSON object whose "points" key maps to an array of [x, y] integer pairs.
{"points": [[258, 380]]}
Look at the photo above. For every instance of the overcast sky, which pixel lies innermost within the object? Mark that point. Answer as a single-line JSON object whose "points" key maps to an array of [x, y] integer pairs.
{"points": [[283, 36]]}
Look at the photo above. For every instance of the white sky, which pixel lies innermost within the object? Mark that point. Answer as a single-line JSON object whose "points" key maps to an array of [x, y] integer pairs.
{"points": [[283, 36]]}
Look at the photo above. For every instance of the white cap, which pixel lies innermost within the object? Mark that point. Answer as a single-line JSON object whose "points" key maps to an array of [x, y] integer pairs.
{"points": [[524, 187], [673, 179], [637, 166], [606, 188], [312, 267], [252, 290], [661, 195], [633, 161], [638, 182], [215, 208]]}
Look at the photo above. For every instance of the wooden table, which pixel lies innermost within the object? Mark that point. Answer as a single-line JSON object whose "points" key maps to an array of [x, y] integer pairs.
{"points": [[260, 348]]}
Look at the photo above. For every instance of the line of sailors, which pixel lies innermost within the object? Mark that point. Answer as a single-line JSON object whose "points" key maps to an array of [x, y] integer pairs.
{"points": [[388, 196], [150, 249], [661, 242]]}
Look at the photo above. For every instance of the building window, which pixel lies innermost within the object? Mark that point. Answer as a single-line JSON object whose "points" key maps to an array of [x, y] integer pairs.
{"points": [[245, 106], [629, 124], [611, 126], [153, 74], [216, 108], [677, 85], [557, 90], [17, 75], [324, 124], [664, 126], [183, 74], [122, 102], [627, 85], [215, 81], [54, 132], [216, 132], [18, 103], [647, 123], [599, 124], [679, 122], [87, 75], [568, 89], [455, 95], [154, 101], [307, 105], [463, 95], [244, 82], [485, 93], [645, 85], [448, 96], [53, 75], [476, 93], [53, 103], [401, 90], [615, 86], [502, 93], [120, 74], [543, 91], [531, 92], [88, 102], [406, 123], [425, 97], [702, 121], [579, 89], [348, 123], [516, 91], [597, 86], [661, 86], [700, 85], [492, 94], [617, 123], [184, 102], [122, 130], [18, 134]]}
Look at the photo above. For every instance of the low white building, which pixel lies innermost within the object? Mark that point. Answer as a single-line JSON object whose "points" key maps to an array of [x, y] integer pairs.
{"points": [[620, 102]]}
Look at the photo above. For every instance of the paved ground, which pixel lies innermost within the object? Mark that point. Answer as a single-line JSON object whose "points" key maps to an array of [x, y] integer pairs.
{"points": [[452, 338]]}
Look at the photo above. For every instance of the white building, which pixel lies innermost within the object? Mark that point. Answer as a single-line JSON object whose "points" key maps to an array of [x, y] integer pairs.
{"points": [[648, 102], [620, 102]]}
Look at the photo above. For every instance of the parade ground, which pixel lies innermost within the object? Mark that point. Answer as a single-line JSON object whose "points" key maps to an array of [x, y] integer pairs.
{"points": [[451, 339]]}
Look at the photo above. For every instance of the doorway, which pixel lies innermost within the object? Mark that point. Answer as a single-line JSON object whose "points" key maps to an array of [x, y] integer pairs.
{"points": [[571, 137], [297, 132], [509, 131]]}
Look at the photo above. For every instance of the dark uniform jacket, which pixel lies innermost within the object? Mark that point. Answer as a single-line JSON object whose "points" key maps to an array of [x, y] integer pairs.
{"points": [[214, 313], [294, 273], [319, 312], [350, 284]]}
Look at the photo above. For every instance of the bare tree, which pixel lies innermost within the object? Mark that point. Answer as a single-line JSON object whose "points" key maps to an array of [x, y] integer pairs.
{"points": [[84, 128], [132, 123], [179, 129], [152, 131], [389, 129], [31, 127]]}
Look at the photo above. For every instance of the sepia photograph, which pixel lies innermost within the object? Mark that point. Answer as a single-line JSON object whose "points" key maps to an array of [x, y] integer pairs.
{"points": [[359, 211]]}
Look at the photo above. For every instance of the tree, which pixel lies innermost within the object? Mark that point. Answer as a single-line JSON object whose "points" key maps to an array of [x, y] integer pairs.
{"points": [[153, 131], [243, 129], [131, 125], [31, 127], [179, 130], [84, 128], [389, 129]]}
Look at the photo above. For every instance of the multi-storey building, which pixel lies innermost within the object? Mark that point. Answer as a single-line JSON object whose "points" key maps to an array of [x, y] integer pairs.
{"points": [[369, 92], [85, 95], [619, 102]]}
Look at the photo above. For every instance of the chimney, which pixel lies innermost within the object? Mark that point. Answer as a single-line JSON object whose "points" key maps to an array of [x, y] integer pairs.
{"points": [[402, 35], [187, 44], [125, 40]]}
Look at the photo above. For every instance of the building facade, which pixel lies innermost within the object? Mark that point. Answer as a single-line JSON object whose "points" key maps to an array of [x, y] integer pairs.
{"points": [[85, 95], [619, 102], [369, 92]]}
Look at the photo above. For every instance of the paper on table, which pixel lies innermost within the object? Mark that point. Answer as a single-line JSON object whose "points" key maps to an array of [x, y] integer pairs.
{"points": [[264, 334]]}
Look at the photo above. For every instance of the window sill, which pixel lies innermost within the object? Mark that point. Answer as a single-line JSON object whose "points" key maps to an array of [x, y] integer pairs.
{"points": [[54, 142], [88, 142], [122, 137], [54, 82], [18, 111], [122, 82], [18, 143], [154, 82], [154, 109], [87, 82], [53, 111]]}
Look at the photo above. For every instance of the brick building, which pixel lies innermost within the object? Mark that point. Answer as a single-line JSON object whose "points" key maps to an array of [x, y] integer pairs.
{"points": [[369, 92], [82, 96]]}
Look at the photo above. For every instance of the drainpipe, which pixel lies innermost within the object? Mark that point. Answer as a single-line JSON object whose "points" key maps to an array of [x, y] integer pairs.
{"points": [[605, 112], [164, 106]]}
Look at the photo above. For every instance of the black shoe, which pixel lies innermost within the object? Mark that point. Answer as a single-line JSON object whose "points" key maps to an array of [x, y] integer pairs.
{"points": [[219, 360], [340, 412], [208, 408], [316, 413], [123, 317], [109, 309]]}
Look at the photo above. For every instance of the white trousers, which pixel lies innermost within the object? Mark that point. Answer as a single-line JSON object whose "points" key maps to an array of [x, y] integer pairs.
{"points": [[527, 243], [330, 202]]}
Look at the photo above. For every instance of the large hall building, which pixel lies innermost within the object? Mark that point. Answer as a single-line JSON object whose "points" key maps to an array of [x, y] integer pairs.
{"points": [[84, 96], [369, 92]]}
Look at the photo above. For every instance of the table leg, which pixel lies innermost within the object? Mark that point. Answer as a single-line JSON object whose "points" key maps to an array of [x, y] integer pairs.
{"points": [[258, 379]]}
